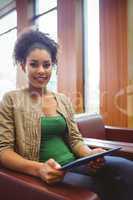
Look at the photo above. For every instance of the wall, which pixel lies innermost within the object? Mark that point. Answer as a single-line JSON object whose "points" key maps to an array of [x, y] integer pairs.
{"points": [[114, 62], [129, 90]]}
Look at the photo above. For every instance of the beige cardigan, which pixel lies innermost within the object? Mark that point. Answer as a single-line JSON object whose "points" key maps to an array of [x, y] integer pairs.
{"points": [[20, 123]]}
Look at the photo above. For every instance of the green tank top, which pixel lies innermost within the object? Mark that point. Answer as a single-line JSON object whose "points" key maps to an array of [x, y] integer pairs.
{"points": [[53, 130]]}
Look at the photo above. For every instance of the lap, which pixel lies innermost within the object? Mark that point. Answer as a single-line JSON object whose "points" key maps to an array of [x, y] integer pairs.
{"points": [[119, 166], [116, 176]]}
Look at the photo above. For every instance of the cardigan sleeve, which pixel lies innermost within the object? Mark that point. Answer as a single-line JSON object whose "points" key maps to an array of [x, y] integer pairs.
{"points": [[7, 128]]}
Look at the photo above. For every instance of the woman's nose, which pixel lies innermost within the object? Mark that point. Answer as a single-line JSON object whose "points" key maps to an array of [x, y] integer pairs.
{"points": [[41, 69]]}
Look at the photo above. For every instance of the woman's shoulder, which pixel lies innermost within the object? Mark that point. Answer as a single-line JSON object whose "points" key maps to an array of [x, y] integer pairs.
{"points": [[16, 93]]}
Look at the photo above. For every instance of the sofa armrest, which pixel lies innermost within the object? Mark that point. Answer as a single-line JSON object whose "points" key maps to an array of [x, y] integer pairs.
{"points": [[14, 185], [125, 151], [119, 134]]}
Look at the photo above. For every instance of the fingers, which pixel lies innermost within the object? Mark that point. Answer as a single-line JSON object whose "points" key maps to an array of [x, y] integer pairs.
{"points": [[50, 172], [55, 167], [96, 164], [53, 179], [100, 161], [98, 150], [54, 164]]}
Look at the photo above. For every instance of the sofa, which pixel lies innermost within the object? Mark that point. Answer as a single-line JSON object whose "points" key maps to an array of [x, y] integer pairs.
{"points": [[14, 185], [97, 134]]}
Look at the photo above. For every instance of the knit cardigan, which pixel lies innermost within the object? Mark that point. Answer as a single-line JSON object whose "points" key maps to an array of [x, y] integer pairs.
{"points": [[20, 127]]}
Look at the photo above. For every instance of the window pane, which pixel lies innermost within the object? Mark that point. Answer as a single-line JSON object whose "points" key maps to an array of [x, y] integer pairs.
{"points": [[92, 57], [8, 22], [7, 69], [45, 5], [48, 24], [52, 85], [4, 3]]}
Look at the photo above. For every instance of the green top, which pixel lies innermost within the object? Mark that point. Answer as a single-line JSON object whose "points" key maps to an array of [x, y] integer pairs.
{"points": [[53, 130]]}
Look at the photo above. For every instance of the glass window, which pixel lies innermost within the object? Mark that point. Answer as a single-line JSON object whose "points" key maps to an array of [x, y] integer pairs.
{"points": [[92, 57], [45, 5], [47, 23], [8, 22], [7, 69], [4, 3]]}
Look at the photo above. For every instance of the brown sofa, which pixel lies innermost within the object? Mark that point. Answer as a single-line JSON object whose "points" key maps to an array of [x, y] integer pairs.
{"points": [[99, 135], [15, 185]]}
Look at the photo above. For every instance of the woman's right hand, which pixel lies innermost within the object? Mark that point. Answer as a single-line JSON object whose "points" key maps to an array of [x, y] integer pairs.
{"points": [[50, 172]]}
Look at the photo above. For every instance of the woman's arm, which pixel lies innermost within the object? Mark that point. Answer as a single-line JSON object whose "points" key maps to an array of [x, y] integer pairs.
{"points": [[48, 171], [84, 150], [14, 161]]}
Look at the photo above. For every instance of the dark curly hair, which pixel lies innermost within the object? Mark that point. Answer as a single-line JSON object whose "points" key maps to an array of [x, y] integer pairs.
{"points": [[33, 39]]}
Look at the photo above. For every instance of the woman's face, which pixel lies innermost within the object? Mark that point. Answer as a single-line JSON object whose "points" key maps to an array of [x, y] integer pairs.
{"points": [[38, 67]]}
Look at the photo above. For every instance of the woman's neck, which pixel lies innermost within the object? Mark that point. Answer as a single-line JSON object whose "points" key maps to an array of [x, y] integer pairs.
{"points": [[37, 91]]}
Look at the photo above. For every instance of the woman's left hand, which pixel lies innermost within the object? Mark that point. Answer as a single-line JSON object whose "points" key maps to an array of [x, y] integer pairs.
{"points": [[98, 163], [95, 165]]}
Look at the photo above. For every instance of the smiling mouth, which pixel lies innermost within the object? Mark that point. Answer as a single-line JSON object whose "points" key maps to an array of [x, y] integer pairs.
{"points": [[41, 79]]}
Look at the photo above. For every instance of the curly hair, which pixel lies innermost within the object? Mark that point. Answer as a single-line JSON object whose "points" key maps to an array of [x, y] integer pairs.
{"points": [[28, 39]]}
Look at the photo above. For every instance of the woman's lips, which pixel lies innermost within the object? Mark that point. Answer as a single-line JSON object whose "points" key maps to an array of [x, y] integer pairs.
{"points": [[41, 79]]}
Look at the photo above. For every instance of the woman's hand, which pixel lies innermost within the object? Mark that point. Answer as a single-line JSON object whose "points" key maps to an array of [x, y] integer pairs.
{"points": [[50, 172], [99, 162]]}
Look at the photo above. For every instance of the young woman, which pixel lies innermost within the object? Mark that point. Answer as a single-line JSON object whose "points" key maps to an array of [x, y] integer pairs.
{"points": [[38, 133]]}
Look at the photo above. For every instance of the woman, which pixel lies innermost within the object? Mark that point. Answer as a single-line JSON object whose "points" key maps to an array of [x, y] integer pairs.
{"points": [[38, 133]]}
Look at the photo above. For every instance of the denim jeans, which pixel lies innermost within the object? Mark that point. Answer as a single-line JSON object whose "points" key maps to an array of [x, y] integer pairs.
{"points": [[114, 181]]}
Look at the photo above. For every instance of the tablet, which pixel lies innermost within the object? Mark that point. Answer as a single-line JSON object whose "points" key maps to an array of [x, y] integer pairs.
{"points": [[85, 160]]}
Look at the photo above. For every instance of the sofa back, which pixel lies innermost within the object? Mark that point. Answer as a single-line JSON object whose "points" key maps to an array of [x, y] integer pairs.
{"points": [[91, 126]]}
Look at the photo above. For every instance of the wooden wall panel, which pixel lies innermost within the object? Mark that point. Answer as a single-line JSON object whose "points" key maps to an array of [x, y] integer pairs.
{"points": [[70, 59], [25, 13], [114, 66]]}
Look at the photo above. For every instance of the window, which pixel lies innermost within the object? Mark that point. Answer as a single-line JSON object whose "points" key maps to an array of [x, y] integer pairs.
{"points": [[91, 56], [45, 5], [8, 35], [48, 24], [46, 21]]}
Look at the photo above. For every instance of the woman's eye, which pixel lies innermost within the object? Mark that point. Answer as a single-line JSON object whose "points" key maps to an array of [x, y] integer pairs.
{"points": [[33, 64], [46, 65]]}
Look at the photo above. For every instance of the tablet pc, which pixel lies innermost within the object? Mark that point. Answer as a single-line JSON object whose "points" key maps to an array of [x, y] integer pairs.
{"points": [[85, 160]]}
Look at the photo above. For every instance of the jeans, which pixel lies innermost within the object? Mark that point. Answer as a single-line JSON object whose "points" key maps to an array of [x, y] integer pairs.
{"points": [[114, 181]]}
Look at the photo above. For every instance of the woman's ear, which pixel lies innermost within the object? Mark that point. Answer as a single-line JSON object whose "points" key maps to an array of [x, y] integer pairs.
{"points": [[23, 67]]}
